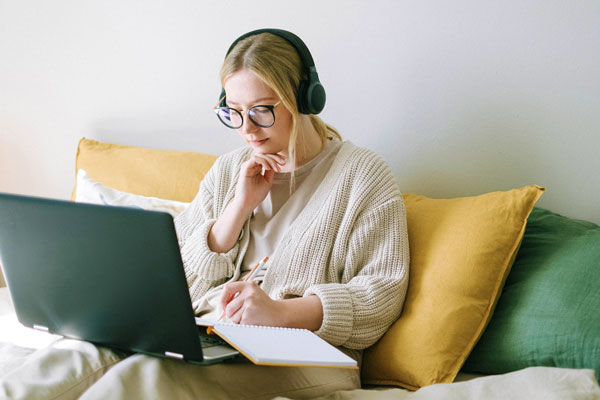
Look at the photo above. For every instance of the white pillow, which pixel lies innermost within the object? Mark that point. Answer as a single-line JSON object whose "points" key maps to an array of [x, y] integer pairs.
{"points": [[90, 191]]}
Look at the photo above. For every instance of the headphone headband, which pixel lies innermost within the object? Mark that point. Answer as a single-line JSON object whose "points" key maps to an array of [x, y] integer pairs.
{"points": [[311, 94], [299, 45]]}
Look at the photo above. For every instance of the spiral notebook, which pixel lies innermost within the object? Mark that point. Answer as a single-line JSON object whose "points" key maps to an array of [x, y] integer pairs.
{"points": [[266, 345]]}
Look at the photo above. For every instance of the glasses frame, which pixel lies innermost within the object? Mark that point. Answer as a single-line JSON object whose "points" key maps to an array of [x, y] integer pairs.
{"points": [[271, 108]]}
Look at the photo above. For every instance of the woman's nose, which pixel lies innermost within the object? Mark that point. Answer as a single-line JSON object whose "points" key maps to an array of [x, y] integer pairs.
{"points": [[248, 126]]}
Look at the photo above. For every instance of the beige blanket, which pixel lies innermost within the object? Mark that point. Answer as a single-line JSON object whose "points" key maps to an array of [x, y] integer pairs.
{"points": [[20, 346]]}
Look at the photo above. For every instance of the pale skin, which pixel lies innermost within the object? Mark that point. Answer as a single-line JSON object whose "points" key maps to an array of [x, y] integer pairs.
{"points": [[252, 305]]}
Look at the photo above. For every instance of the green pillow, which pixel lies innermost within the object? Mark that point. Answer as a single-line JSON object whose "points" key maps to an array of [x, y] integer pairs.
{"points": [[549, 311]]}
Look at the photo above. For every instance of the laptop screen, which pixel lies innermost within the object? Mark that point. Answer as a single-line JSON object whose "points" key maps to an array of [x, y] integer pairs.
{"points": [[109, 275]]}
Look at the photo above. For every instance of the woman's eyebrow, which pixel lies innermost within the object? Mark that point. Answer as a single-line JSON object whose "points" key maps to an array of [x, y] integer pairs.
{"points": [[257, 101]]}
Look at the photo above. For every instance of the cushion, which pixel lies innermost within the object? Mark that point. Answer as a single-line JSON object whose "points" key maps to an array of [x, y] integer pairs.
{"points": [[90, 191], [461, 252], [548, 313], [167, 174]]}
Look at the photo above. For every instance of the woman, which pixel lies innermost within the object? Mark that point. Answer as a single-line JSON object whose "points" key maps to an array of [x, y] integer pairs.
{"points": [[328, 215]]}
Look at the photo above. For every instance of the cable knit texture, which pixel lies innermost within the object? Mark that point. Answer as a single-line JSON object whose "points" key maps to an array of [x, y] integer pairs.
{"points": [[349, 245]]}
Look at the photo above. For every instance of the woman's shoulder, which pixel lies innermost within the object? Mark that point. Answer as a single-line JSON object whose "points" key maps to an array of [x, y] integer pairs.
{"points": [[361, 170], [360, 159]]}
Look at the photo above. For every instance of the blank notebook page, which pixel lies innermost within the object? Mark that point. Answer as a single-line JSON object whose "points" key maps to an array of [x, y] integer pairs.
{"points": [[270, 345]]}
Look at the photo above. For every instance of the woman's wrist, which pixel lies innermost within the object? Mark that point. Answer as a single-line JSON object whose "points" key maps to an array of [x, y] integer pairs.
{"points": [[302, 312], [242, 211]]}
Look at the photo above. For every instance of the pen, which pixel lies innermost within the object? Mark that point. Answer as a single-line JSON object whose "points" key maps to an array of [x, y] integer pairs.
{"points": [[253, 272]]}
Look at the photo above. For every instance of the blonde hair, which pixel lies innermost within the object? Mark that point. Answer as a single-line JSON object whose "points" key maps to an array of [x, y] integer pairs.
{"points": [[277, 63]]}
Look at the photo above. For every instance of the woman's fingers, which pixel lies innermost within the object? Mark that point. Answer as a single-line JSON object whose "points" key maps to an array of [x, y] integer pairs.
{"points": [[252, 168], [234, 312], [246, 303], [269, 161], [276, 158], [234, 315], [229, 292], [259, 163], [232, 298]]}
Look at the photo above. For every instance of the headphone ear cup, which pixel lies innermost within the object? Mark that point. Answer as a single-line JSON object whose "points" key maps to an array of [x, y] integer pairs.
{"points": [[311, 94], [311, 97], [302, 99], [222, 98], [315, 96]]}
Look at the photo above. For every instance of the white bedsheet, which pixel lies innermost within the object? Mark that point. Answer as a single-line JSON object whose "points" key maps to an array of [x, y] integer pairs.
{"points": [[543, 383], [17, 343]]}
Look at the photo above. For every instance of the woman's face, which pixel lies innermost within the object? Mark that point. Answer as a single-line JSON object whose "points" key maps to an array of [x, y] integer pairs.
{"points": [[244, 90]]}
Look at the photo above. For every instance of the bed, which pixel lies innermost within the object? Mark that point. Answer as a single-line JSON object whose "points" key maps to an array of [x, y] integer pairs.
{"points": [[502, 300]]}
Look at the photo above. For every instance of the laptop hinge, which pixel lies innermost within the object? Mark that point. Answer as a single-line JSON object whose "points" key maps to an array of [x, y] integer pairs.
{"points": [[41, 328], [174, 355]]}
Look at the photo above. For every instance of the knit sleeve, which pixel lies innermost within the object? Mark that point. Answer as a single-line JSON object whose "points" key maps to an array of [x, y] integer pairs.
{"points": [[369, 298], [203, 267]]}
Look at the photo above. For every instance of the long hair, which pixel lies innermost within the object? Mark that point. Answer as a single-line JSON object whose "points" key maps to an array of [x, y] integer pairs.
{"points": [[277, 63]]}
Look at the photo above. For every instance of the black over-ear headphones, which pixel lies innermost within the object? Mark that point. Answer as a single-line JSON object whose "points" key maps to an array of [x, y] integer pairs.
{"points": [[311, 94]]}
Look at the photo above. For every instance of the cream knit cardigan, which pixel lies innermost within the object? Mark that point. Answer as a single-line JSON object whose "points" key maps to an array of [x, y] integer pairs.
{"points": [[349, 246]]}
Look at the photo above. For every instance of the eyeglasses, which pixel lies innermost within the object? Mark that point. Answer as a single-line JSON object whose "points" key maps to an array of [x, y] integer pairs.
{"points": [[260, 115]]}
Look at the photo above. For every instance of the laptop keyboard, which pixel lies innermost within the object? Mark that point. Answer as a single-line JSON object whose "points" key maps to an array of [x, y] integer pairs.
{"points": [[211, 340]]}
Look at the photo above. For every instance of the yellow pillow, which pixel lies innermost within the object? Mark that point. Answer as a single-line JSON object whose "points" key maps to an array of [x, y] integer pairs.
{"points": [[167, 174], [461, 252]]}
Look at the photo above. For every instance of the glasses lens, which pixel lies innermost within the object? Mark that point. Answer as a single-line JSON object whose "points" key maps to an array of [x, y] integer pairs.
{"points": [[230, 117], [262, 116]]}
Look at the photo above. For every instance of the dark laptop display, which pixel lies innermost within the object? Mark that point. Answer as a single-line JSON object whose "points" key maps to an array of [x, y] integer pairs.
{"points": [[108, 275]]}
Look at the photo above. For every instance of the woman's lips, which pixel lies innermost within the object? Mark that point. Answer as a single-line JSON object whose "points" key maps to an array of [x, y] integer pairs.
{"points": [[258, 142]]}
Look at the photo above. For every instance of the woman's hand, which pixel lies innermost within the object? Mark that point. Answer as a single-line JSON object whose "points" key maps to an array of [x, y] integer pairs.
{"points": [[256, 179], [252, 306]]}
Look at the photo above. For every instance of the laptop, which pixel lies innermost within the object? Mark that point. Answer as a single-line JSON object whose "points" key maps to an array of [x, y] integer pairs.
{"points": [[109, 275]]}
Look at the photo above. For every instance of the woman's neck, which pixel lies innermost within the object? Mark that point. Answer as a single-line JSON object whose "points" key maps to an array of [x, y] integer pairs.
{"points": [[308, 143]]}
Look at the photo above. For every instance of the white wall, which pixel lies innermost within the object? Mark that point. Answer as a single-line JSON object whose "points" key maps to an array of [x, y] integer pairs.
{"points": [[459, 97]]}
